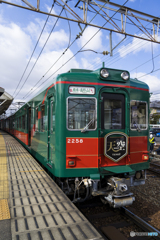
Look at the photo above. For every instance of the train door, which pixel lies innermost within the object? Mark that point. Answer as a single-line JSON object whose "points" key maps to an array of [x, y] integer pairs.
{"points": [[51, 128], [29, 126], [113, 139]]}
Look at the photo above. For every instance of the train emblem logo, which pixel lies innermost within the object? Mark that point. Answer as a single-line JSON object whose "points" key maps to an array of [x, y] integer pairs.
{"points": [[116, 146]]}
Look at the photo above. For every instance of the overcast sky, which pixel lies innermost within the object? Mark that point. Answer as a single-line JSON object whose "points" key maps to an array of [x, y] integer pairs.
{"points": [[20, 30]]}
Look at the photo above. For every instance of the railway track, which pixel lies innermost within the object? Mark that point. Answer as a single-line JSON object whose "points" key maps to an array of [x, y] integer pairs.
{"points": [[155, 168], [155, 164], [117, 224]]}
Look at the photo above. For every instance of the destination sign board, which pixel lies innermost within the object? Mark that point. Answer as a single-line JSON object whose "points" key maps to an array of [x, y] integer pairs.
{"points": [[81, 90]]}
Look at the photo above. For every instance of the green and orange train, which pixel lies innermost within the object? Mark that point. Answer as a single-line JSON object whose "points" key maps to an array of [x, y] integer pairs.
{"points": [[90, 130]]}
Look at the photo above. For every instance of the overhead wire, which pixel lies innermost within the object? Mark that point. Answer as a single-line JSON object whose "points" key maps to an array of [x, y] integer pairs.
{"points": [[152, 67], [69, 29], [111, 61], [43, 76], [33, 51], [158, 69], [75, 53], [69, 45], [145, 62], [126, 51], [152, 62], [58, 58], [41, 51], [114, 59]]}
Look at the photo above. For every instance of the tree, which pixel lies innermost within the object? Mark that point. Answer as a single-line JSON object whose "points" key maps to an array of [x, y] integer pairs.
{"points": [[155, 119]]}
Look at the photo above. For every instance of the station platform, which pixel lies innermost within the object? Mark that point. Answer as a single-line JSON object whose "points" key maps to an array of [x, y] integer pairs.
{"points": [[32, 206]]}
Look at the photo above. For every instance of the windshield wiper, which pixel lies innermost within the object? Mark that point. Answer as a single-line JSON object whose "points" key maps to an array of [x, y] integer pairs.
{"points": [[88, 124]]}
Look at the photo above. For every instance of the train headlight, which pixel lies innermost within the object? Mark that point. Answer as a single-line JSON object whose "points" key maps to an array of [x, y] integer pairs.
{"points": [[125, 76], [104, 73]]}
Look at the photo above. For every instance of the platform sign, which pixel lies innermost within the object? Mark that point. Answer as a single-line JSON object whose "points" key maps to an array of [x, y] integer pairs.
{"points": [[82, 90], [116, 146]]}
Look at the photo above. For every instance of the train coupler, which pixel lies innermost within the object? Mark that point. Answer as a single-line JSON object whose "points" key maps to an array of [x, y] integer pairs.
{"points": [[119, 201]]}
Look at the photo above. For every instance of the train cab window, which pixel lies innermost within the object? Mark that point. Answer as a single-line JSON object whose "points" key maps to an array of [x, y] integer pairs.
{"points": [[138, 115], [23, 122], [43, 118], [36, 119], [82, 113], [113, 110]]}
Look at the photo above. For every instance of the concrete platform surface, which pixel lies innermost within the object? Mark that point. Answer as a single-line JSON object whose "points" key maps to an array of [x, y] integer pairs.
{"points": [[38, 208]]}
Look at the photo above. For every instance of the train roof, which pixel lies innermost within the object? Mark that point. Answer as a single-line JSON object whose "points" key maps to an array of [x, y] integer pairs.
{"points": [[88, 74], [85, 72], [141, 84]]}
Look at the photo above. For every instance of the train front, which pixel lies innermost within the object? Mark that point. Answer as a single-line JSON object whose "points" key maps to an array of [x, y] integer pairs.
{"points": [[107, 148]]}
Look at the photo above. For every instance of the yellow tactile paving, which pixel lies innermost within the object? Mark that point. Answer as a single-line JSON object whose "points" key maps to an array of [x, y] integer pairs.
{"points": [[4, 190], [4, 210]]}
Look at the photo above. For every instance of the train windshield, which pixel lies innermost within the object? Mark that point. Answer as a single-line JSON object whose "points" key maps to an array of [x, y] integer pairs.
{"points": [[113, 110], [82, 113], [138, 115]]}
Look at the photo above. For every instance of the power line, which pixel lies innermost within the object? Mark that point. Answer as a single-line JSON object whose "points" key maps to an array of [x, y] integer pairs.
{"points": [[40, 52], [49, 69], [69, 29], [59, 58], [77, 51], [145, 63], [153, 64], [132, 51], [125, 52], [149, 73], [110, 62], [33, 50]]}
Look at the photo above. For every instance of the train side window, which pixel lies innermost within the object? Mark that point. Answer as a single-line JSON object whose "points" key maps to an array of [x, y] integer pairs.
{"points": [[23, 122], [138, 115], [52, 116], [26, 120], [36, 119], [7, 124], [20, 122], [82, 113], [42, 118]]}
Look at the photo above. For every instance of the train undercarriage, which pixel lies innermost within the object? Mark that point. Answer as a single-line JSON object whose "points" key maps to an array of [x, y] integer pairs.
{"points": [[114, 190]]}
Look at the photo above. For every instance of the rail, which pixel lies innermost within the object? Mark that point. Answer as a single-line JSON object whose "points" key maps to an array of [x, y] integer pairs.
{"points": [[140, 222], [111, 230]]}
